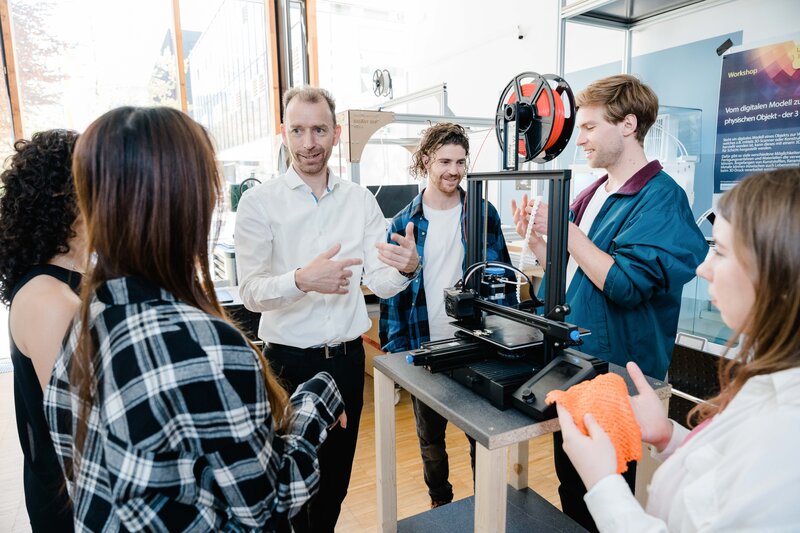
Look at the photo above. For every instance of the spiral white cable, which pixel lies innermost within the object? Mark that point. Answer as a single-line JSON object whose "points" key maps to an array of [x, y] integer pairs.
{"points": [[536, 202]]}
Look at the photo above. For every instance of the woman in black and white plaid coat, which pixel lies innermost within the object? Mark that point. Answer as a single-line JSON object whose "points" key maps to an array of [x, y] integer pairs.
{"points": [[164, 415]]}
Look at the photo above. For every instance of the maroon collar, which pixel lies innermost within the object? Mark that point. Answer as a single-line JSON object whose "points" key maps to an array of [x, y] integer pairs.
{"points": [[634, 184]]}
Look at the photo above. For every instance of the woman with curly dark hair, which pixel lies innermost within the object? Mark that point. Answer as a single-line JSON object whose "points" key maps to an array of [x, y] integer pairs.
{"points": [[43, 254]]}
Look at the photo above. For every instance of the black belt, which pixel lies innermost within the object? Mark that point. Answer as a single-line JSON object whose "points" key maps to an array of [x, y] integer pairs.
{"points": [[327, 351]]}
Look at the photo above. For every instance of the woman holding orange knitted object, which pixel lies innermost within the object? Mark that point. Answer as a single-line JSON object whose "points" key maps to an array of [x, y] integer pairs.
{"points": [[737, 469]]}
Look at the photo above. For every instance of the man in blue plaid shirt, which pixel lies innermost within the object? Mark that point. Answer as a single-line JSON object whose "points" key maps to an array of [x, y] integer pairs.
{"points": [[411, 317]]}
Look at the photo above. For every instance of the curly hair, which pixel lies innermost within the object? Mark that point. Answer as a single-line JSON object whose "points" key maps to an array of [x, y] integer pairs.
{"points": [[37, 205], [434, 138]]}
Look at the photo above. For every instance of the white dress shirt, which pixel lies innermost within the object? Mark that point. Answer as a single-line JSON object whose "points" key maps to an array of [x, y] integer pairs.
{"points": [[280, 227], [739, 473]]}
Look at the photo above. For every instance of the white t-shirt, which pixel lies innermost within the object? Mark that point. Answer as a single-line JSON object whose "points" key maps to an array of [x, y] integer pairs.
{"points": [[443, 257], [595, 204]]}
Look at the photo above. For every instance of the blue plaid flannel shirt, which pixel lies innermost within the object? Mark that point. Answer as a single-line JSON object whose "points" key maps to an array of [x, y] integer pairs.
{"points": [[404, 317]]}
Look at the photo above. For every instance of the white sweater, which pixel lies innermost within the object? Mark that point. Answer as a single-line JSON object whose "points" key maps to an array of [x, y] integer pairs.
{"points": [[739, 473]]}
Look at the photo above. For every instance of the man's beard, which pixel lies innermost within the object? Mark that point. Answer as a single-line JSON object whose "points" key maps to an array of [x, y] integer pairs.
{"points": [[312, 166]]}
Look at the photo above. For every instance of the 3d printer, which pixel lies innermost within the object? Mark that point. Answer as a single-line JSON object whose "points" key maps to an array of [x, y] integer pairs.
{"points": [[508, 353]]}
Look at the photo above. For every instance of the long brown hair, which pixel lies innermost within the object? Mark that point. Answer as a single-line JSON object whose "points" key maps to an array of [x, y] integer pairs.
{"points": [[764, 213], [147, 184]]}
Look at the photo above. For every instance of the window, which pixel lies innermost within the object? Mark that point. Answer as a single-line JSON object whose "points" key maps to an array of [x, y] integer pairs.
{"points": [[76, 59], [225, 55]]}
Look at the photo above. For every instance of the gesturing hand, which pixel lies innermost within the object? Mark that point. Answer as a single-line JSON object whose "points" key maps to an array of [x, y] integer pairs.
{"points": [[341, 421], [520, 216], [540, 220], [649, 411], [593, 456], [324, 275], [402, 256]]}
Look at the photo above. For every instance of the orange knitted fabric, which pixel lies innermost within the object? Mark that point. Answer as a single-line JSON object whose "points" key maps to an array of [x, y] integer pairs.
{"points": [[606, 398]]}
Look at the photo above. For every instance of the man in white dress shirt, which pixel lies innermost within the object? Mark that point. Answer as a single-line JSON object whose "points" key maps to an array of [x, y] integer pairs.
{"points": [[303, 243]]}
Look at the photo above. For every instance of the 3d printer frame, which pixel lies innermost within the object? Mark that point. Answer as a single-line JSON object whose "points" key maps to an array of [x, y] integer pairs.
{"points": [[555, 308]]}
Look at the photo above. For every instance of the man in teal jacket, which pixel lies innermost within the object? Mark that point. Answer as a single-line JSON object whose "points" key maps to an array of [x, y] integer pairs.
{"points": [[647, 228], [633, 245]]}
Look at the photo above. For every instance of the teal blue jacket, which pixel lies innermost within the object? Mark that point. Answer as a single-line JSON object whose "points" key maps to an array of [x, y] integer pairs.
{"points": [[648, 229]]}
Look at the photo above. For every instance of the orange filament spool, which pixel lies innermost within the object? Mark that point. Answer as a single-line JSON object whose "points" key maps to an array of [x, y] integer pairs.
{"points": [[551, 104]]}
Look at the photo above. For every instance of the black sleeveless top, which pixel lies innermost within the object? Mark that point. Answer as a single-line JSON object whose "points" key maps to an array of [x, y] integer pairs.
{"points": [[46, 498]]}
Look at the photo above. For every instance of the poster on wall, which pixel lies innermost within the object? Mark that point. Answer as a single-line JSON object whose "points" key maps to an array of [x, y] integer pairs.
{"points": [[759, 112]]}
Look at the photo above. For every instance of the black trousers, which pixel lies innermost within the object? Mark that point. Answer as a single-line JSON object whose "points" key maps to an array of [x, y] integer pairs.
{"points": [[431, 428], [336, 454], [571, 488]]}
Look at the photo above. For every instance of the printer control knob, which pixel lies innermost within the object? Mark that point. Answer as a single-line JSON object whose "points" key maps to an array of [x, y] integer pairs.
{"points": [[528, 396]]}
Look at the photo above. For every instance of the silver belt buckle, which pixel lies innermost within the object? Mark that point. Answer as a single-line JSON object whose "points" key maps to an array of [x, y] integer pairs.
{"points": [[328, 348]]}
